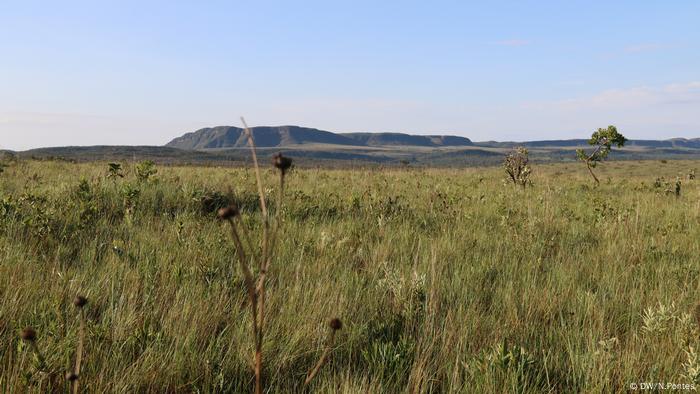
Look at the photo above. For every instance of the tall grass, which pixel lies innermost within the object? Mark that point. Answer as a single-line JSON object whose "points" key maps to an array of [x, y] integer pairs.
{"points": [[447, 280]]}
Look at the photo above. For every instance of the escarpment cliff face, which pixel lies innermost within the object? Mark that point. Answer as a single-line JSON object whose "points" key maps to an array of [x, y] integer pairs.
{"points": [[282, 136], [233, 137]]}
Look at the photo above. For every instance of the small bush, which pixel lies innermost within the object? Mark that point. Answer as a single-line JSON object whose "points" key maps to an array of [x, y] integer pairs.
{"points": [[517, 167], [145, 170], [661, 185], [114, 170]]}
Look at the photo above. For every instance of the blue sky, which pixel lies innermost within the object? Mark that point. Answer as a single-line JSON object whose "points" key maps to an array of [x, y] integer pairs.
{"points": [[127, 72]]}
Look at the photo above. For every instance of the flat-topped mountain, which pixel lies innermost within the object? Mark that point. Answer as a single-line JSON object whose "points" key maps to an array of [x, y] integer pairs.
{"points": [[222, 137], [234, 137], [389, 139]]}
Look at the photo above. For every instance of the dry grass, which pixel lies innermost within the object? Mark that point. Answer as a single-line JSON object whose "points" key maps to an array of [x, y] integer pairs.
{"points": [[447, 280]]}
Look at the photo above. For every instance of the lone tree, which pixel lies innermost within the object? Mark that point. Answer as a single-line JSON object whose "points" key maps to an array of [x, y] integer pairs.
{"points": [[517, 167], [603, 140]]}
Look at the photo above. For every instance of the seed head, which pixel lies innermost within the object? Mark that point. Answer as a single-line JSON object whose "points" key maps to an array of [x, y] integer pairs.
{"points": [[80, 301], [336, 324], [228, 212], [71, 376], [697, 314], [282, 163], [28, 334]]}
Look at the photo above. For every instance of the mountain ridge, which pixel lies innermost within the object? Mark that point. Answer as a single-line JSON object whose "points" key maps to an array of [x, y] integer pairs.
{"points": [[225, 145], [278, 136], [221, 137]]}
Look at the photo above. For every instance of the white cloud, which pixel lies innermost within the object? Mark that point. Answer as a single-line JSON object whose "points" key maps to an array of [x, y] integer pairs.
{"points": [[635, 97], [643, 112]]}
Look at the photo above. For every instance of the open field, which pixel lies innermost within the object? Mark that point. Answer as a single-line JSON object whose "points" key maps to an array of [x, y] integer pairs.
{"points": [[446, 280]]}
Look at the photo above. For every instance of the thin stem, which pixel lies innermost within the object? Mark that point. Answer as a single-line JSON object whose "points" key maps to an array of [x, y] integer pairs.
{"points": [[79, 352], [261, 194], [251, 142], [259, 315], [597, 149], [322, 359], [258, 370], [247, 275], [278, 209], [244, 231], [273, 234], [590, 158], [588, 164]]}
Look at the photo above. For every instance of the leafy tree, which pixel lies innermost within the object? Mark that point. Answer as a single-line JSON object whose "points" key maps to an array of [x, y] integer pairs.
{"points": [[517, 167], [603, 140]]}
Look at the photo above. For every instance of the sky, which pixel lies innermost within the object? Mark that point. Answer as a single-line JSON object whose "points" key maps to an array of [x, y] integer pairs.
{"points": [[144, 72]]}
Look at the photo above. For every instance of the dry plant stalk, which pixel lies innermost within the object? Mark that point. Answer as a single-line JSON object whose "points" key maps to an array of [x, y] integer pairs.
{"points": [[335, 325], [74, 376], [255, 286]]}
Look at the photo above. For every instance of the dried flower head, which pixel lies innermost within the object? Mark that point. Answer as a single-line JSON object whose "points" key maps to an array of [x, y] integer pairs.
{"points": [[80, 301], [336, 324], [228, 212], [71, 376], [28, 334], [281, 162]]}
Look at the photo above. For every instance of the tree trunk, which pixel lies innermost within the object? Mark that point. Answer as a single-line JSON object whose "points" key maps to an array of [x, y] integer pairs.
{"points": [[597, 182]]}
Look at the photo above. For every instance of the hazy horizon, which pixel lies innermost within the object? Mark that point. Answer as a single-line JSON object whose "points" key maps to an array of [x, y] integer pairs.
{"points": [[142, 74], [579, 137]]}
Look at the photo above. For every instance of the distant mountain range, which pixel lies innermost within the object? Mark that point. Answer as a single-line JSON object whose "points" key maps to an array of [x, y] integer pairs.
{"points": [[228, 145], [222, 137]]}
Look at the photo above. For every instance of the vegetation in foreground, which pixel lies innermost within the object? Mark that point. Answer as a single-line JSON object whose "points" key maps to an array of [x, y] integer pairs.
{"points": [[446, 280]]}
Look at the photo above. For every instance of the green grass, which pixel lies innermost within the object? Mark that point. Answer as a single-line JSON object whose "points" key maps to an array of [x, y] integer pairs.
{"points": [[446, 280]]}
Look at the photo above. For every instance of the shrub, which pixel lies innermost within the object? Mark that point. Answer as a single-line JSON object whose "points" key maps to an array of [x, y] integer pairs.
{"points": [[516, 165], [145, 170], [131, 194], [661, 185], [114, 170]]}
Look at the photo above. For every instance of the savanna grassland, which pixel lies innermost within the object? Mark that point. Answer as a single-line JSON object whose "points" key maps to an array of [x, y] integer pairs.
{"points": [[446, 280]]}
